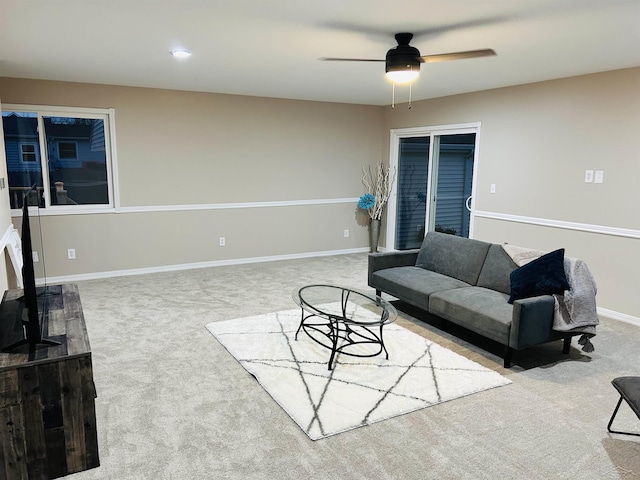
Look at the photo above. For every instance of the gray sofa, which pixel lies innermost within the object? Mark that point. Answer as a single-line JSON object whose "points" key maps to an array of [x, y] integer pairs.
{"points": [[467, 282]]}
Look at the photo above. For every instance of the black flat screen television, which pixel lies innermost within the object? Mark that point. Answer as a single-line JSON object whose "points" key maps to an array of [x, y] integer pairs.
{"points": [[30, 315]]}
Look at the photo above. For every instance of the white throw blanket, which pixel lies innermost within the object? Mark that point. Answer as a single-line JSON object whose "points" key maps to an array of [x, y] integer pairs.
{"points": [[575, 310]]}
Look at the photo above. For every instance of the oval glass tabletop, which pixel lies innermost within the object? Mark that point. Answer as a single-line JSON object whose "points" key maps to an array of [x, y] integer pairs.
{"points": [[344, 304]]}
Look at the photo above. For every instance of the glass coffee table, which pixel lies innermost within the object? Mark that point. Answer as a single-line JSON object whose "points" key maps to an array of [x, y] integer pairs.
{"points": [[343, 320]]}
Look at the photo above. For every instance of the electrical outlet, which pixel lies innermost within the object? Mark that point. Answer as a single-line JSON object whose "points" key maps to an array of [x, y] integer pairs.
{"points": [[34, 255], [346, 232], [71, 253], [222, 242]]}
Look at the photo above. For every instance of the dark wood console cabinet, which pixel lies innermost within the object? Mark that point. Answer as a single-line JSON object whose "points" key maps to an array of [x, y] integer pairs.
{"points": [[47, 395]]}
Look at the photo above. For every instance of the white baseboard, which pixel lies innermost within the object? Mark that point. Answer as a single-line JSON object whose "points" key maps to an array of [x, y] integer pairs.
{"points": [[192, 266], [622, 317]]}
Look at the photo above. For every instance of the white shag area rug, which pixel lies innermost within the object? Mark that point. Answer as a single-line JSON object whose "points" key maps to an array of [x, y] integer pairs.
{"points": [[358, 391]]}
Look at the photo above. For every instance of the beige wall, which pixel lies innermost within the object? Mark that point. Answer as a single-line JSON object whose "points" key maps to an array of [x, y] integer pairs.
{"points": [[116, 242], [536, 142], [191, 148], [183, 148], [196, 149]]}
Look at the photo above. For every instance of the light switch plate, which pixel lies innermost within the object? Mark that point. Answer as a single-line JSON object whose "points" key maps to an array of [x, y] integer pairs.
{"points": [[588, 176], [599, 178]]}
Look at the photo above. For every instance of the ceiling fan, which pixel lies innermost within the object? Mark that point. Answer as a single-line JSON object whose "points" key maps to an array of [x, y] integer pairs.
{"points": [[402, 63]]}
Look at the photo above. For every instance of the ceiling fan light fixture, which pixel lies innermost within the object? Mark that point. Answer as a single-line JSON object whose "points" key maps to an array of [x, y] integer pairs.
{"points": [[405, 74], [180, 53], [402, 63]]}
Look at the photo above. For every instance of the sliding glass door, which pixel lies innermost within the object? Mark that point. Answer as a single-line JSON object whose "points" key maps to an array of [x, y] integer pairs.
{"points": [[434, 184], [413, 175], [452, 164]]}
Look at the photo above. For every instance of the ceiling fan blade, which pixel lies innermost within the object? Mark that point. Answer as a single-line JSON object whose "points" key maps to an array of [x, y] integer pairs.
{"points": [[444, 57], [332, 59]]}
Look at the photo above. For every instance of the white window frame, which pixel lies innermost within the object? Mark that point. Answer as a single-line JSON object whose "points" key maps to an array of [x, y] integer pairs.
{"points": [[108, 117]]}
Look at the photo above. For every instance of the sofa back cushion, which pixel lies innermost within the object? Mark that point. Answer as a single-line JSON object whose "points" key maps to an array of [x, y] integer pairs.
{"points": [[496, 270], [457, 257]]}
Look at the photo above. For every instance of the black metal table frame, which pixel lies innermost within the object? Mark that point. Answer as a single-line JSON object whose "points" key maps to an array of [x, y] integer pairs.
{"points": [[335, 328]]}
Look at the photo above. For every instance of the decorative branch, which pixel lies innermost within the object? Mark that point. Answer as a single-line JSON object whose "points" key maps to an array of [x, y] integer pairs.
{"points": [[379, 186]]}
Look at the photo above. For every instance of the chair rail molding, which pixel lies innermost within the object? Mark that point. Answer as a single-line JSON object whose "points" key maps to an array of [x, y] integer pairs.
{"points": [[227, 206], [546, 222]]}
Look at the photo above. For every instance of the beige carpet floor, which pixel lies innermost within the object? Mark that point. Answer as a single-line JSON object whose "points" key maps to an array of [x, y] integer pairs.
{"points": [[173, 404]]}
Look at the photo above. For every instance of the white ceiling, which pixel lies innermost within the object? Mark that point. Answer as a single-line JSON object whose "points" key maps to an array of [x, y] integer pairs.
{"points": [[271, 47]]}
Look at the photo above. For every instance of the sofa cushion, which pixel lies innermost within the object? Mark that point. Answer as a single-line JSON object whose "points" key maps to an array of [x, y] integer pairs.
{"points": [[413, 284], [456, 257], [496, 270], [542, 276], [479, 309]]}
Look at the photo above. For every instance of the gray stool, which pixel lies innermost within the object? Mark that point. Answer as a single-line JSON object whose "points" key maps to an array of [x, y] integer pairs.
{"points": [[629, 388]]}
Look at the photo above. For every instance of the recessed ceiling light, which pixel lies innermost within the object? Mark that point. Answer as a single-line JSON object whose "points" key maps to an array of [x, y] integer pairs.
{"points": [[181, 53]]}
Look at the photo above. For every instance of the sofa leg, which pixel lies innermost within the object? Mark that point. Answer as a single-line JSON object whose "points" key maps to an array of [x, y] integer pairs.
{"points": [[566, 346], [508, 353]]}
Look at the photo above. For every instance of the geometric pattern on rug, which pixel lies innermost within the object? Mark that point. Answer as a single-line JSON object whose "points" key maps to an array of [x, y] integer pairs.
{"points": [[358, 391]]}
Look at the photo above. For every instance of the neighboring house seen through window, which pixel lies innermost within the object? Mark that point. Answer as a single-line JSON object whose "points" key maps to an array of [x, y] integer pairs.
{"points": [[76, 172]]}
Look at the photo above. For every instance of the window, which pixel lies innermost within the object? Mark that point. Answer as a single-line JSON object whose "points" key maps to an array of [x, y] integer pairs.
{"points": [[28, 152], [67, 150], [76, 173]]}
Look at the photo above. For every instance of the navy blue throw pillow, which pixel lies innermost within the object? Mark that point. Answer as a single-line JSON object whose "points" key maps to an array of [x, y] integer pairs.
{"points": [[542, 276]]}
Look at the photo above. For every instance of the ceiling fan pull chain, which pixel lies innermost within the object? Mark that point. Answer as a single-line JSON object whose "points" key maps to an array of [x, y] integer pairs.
{"points": [[409, 96], [393, 95]]}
